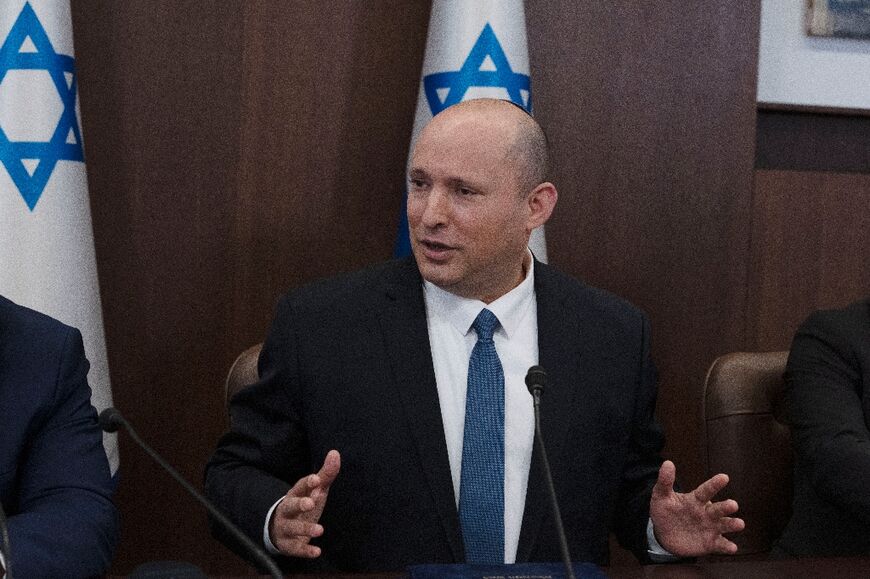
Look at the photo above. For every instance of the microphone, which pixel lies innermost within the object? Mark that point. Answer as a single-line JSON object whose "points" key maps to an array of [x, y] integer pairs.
{"points": [[536, 379], [111, 420], [4, 531]]}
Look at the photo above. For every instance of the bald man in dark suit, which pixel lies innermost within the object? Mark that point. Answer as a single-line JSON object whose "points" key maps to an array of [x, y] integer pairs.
{"points": [[366, 375]]}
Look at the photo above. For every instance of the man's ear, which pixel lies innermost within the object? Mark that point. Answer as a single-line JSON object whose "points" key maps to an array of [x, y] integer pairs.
{"points": [[542, 201]]}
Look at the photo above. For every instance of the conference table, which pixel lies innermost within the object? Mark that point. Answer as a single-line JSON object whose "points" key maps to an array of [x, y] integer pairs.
{"points": [[833, 568]]}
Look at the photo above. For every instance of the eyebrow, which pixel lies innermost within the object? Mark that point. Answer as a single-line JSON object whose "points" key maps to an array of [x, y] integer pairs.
{"points": [[453, 182]]}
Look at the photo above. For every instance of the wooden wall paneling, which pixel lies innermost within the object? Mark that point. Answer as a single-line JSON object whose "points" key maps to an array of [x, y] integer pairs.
{"points": [[650, 109], [160, 95], [810, 139], [810, 249], [330, 92]]}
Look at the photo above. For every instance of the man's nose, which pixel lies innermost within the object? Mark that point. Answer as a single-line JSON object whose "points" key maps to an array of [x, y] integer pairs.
{"points": [[437, 208]]}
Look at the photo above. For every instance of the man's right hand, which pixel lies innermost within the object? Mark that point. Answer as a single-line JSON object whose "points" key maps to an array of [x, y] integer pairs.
{"points": [[295, 520]]}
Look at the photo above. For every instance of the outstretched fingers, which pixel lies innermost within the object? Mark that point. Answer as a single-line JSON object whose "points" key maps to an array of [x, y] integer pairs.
{"points": [[329, 471], [304, 486], [296, 547], [295, 520], [731, 525], [722, 546], [665, 483], [292, 507], [723, 508], [711, 487], [300, 528]]}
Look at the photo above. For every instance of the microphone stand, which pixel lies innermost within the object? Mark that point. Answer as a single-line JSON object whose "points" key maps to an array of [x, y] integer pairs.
{"points": [[535, 380], [111, 419], [4, 531]]}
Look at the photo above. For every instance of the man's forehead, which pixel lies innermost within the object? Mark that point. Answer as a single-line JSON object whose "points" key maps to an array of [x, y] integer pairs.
{"points": [[478, 134], [458, 148]]}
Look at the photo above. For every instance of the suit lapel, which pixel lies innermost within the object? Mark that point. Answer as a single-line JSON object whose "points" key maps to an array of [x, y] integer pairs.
{"points": [[558, 353], [403, 323]]}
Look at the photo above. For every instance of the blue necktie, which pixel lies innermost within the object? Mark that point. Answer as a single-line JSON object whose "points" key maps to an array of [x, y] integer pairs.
{"points": [[481, 488]]}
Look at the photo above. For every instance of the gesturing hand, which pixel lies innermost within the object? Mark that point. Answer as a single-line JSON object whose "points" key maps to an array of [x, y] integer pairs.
{"points": [[690, 524], [295, 520]]}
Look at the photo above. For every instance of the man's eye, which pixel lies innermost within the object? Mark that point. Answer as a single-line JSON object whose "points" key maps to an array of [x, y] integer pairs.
{"points": [[416, 183], [465, 191]]}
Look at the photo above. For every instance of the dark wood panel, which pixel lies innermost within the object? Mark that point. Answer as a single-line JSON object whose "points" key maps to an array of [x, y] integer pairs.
{"points": [[813, 109], [650, 108], [160, 107], [810, 139], [810, 250], [328, 111]]}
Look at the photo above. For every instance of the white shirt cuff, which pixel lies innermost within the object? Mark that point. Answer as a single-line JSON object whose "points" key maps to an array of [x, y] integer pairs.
{"points": [[267, 542], [656, 552]]}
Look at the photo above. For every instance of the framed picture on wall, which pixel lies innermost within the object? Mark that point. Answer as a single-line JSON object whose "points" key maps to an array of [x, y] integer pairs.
{"points": [[839, 18]]}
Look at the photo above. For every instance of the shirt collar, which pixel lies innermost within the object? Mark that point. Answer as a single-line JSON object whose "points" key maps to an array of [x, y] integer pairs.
{"points": [[461, 312]]}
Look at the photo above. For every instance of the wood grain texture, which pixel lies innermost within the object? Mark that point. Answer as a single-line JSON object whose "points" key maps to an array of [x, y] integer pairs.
{"points": [[810, 250], [160, 102], [651, 112], [809, 139]]}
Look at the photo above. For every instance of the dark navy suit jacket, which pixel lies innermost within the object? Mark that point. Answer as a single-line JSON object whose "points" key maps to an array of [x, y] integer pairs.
{"points": [[348, 365], [55, 484], [827, 397]]}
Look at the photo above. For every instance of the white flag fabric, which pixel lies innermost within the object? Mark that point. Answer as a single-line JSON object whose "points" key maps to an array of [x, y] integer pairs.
{"points": [[47, 259], [474, 49]]}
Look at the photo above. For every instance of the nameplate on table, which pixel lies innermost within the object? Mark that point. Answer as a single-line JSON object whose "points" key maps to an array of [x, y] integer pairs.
{"points": [[515, 571]]}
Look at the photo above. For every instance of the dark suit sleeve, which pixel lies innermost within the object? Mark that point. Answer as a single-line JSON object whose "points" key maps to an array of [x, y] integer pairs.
{"points": [[824, 404], [265, 449], [643, 460], [66, 524]]}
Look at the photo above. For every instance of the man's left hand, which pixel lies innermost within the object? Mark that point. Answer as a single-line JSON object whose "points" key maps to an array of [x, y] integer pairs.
{"points": [[690, 524]]}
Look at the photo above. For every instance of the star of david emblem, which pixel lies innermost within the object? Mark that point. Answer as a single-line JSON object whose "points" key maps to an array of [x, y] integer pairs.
{"points": [[27, 51], [486, 66]]}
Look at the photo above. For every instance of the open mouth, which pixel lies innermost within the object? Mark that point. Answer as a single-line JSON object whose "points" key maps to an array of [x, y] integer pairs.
{"points": [[434, 249]]}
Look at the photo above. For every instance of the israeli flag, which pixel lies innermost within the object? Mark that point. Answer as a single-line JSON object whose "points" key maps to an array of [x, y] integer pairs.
{"points": [[475, 49], [47, 259]]}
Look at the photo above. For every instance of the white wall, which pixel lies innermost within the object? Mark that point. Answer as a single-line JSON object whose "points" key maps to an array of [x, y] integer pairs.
{"points": [[794, 68]]}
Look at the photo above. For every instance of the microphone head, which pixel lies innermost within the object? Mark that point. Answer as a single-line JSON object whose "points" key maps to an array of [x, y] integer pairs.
{"points": [[536, 379], [111, 420]]}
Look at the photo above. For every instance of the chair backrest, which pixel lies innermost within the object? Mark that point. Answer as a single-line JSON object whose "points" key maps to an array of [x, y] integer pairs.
{"points": [[243, 372], [744, 439]]}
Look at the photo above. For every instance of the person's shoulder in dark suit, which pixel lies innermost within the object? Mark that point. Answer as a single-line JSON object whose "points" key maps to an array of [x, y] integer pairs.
{"points": [[356, 289], [828, 411], [602, 303], [614, 336], [55, 484]]}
